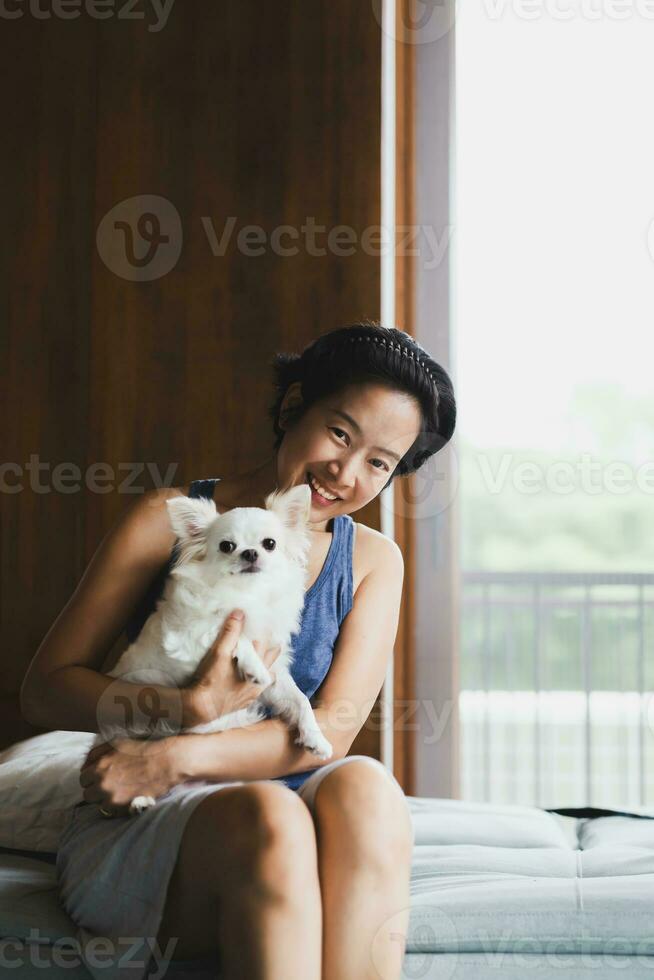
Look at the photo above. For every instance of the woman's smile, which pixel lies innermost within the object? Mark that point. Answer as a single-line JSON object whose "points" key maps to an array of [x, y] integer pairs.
{"points": [[317, 497]]}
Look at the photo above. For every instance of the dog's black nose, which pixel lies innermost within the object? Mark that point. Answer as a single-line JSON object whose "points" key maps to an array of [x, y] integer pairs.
{"points": [[250, 555]]}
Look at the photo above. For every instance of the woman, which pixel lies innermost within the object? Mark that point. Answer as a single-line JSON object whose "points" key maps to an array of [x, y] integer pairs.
{"points": [[303, 870]]}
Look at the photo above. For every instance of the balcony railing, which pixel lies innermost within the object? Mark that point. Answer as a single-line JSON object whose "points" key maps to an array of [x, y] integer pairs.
{"points": [[557, 688]]}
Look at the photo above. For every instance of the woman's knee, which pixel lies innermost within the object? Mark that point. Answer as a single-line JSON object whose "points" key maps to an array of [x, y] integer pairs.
{"points": [[241, 845], [362, 804], [267, 839]]}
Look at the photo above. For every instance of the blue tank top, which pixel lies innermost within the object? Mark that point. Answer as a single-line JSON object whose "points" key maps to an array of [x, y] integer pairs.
{"points": [[326, 604]]}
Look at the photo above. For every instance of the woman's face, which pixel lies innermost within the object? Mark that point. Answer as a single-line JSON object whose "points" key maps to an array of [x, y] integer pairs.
{"points": [[349, 442]]}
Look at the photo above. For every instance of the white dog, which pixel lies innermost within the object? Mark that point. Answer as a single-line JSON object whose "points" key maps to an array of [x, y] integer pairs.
{"points": [[249, 558]]}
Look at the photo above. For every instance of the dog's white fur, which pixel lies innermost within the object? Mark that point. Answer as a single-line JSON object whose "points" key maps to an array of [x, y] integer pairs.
{"points": [[205, 584]]}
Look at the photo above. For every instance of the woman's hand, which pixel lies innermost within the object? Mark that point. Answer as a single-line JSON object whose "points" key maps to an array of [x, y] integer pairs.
{"points": [[217, 688], [114, 773]]}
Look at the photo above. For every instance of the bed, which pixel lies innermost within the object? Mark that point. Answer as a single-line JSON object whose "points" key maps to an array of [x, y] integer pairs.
{"points": [[496, 891]]}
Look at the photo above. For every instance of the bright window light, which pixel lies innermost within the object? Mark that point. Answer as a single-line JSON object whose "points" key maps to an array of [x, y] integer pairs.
{"points": [[555, 278]]}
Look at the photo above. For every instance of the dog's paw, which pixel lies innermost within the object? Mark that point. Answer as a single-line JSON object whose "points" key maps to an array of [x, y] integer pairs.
{"points": [[141, 803], [316, 743], [251, 670]]}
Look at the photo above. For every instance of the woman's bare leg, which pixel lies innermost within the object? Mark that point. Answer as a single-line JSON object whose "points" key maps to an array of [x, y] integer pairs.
{"points": [[246, 883], [365, 844]]}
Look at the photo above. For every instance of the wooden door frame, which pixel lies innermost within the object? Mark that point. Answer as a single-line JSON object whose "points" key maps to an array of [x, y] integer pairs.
{"points": [[405, 285], [426, 663]]}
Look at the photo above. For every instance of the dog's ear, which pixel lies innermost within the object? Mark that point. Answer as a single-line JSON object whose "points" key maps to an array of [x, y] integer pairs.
{"points": [[293, 507], [191, 518]]}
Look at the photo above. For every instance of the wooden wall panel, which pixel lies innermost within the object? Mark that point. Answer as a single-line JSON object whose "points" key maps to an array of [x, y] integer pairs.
{"points": [[265, 113], [48, 78]]}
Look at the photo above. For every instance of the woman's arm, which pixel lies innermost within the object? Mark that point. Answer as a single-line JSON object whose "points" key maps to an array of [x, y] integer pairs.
{"points": [[363, 648], [63, 687]]}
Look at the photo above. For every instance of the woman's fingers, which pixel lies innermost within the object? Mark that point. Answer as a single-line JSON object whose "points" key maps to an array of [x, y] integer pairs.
{"points": [[224, 644], [96, 752], [86, 777], [231, 631]]}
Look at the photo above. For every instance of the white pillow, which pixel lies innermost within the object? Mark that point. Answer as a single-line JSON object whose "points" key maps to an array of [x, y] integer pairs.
{"points": [[39, 785]]}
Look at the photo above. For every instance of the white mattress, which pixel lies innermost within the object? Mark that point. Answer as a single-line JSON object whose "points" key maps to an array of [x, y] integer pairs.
{"points": [[507, 879], [496, 891]]}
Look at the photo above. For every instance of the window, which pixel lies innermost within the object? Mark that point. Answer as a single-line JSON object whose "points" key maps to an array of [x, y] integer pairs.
{"points": [[554, 300]]}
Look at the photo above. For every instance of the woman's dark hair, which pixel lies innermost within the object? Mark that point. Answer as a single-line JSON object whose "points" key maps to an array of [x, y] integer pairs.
{"points": [[368, 352]]}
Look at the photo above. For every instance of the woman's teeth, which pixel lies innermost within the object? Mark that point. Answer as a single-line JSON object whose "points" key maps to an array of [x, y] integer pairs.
{"points": [[320, 490]]}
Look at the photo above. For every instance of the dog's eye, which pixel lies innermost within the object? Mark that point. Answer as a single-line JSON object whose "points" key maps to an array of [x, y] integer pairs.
{"points": [[269, 544], [227, 547]]}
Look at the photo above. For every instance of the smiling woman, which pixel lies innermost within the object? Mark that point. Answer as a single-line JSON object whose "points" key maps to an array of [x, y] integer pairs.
{"points": [[368, 353], [357, 408]]}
